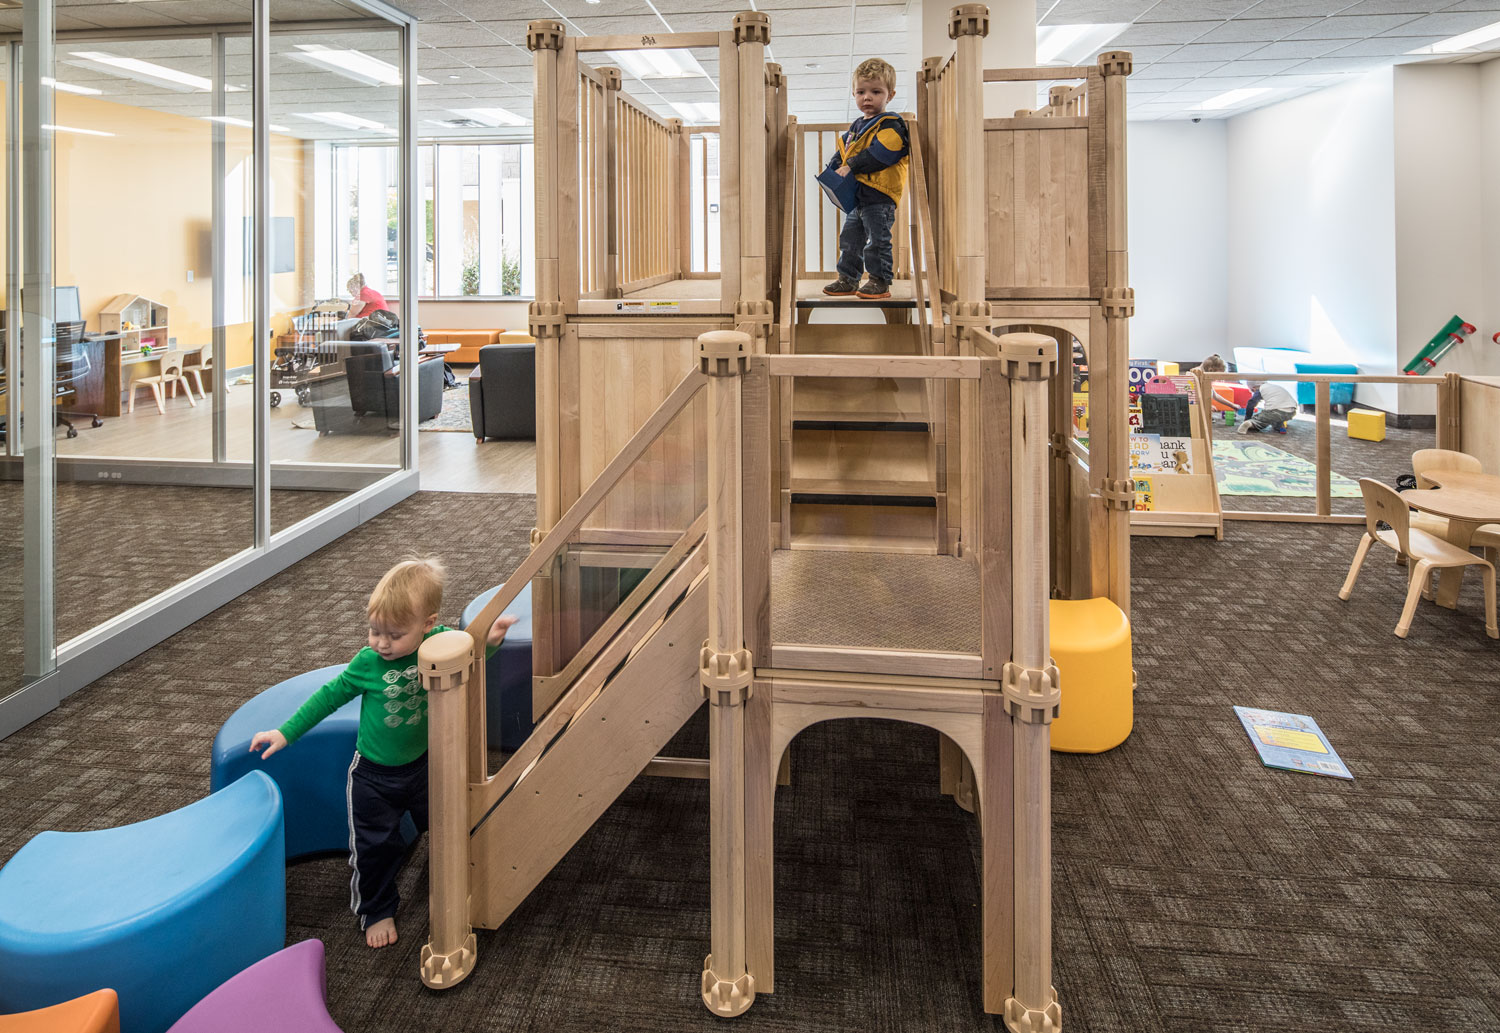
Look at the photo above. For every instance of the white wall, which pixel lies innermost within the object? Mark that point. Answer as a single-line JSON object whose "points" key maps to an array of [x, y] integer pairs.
{"points": [[1312, 228], [1439, 216], [1488, 157], [1179, 238]]}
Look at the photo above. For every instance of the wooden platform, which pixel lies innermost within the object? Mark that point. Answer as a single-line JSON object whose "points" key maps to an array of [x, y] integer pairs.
{"points": [[670, 297], [856, 610], [810, 295]]}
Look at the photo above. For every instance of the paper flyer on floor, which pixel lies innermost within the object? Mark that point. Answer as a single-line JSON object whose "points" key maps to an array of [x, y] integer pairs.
{"points": [[1293, 742]]}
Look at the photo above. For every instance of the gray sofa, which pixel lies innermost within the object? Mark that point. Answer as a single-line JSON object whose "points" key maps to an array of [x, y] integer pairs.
{"points": [[502, 392], [366, 399]]}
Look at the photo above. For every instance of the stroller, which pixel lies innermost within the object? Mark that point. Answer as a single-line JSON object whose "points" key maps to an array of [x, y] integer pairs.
{"points": [[310, 355]]}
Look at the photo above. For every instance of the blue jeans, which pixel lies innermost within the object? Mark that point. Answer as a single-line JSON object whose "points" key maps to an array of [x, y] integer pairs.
{"points": [[865, 242]]}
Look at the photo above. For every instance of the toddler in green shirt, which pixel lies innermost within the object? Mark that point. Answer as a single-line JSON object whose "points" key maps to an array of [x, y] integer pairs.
{"points": [[388, 775]]}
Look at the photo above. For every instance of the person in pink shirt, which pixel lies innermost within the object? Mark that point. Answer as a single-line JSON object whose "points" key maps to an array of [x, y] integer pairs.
{"points": [[367, 298]]}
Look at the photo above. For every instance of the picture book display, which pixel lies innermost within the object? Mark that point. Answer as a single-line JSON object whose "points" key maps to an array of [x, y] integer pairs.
{"points": [[1292, 742]]}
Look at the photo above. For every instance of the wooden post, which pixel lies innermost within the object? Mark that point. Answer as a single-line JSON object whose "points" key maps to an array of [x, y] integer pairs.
{"points": [[968, 24], [1325, 464], [752, 31], [545, 40], [726, 670], [1118, 302], [445, 661], [611, 77], [1030, 687], [1449, 421]]}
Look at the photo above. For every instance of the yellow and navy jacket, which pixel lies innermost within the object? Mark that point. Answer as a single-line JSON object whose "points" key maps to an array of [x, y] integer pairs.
{"points": [[877, 149]]}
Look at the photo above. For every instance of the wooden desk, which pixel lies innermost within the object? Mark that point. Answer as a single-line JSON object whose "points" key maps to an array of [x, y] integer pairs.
{"points": [[1468, 501]]}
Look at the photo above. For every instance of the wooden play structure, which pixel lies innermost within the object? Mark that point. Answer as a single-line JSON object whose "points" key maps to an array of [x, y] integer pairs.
{"points": [[746, 499]]}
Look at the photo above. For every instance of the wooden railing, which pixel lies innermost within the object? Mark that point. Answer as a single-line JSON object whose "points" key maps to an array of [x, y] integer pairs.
{"points": [[646, 147]]}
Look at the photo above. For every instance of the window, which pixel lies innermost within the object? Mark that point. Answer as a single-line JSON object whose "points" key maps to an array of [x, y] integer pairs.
{"points": [[477, 220]]}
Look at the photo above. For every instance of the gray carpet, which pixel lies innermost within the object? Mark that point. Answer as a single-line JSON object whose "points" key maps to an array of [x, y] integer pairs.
{"points": [[117, 545], [1195, 890]]}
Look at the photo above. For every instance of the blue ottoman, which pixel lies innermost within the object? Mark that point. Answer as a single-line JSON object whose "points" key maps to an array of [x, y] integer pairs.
{"points": [[507, 675], [1338, 394], [313, 772], [161, 911]]}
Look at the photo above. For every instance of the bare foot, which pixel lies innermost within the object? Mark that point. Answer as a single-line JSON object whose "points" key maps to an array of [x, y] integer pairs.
{"points": [[382, 933]]}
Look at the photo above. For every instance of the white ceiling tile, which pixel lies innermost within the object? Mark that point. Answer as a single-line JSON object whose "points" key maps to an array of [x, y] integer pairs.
{"points": [[1256, 67], [1144, 86], [1384, 46], [1263, 30], [1300, 49], [1163, 32], [1146, 54], [1211, 52], [1175, 70], [1412, 7], [1448, 23], [1306, 8], [1338, 65], [1228, 82], [1085, 12], [1194, 10], [1354, 27]]}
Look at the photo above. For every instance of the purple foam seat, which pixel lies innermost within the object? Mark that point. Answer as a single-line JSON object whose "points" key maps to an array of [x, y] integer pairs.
{"points": [[284, 992]]}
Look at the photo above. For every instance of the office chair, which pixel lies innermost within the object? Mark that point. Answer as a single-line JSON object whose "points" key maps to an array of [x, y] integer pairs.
{"points": [[73, 365]]}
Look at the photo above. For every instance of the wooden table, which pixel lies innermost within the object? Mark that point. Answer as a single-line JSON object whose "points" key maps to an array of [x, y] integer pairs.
{"points": [[1468, 501]]}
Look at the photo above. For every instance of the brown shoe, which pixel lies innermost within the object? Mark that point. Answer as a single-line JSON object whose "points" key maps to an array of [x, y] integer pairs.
{"points": [[872, 289], [840, 288]]}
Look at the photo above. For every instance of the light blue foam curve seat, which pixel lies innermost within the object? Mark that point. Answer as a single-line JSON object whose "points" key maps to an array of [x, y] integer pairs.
{"points": [[507, 674], [161, 911], [313, 772]]}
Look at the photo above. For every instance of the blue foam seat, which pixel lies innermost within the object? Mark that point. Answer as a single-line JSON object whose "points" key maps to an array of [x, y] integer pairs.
{"points": [[313, 772], [507, 674], [1338, 394], [161, 911]]}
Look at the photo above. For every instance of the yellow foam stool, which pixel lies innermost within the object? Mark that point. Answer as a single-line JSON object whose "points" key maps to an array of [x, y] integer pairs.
{"points": [[1366, 424], [1091, 648], [1168, 369]]}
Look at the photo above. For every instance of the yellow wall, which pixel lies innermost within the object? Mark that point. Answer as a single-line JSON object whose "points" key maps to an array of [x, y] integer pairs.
{"points": [[134, 214]]}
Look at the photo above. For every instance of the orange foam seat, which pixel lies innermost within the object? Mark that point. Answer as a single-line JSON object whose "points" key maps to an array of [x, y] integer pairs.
{"points": [[98, 1012]]}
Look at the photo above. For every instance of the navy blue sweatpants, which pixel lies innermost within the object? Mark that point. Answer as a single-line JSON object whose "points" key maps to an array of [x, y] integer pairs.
{"points": [[378, 797]]}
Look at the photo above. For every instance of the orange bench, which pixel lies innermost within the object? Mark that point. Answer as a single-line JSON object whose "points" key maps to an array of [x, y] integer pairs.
{"points": [[469, 342]]}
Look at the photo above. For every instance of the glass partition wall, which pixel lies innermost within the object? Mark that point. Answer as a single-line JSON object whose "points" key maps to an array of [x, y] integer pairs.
{"points": [[210, 408]]}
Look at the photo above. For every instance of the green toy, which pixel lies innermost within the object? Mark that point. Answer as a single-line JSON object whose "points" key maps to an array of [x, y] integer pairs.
{"points": [[1454, 332]]}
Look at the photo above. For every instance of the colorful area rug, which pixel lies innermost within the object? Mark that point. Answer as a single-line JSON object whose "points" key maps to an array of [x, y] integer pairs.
{"points": [[1254, 468], [453, 417]]}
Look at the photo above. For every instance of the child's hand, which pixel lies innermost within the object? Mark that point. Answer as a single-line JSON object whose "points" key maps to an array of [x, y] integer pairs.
{"points": [[272, 741], [843, 170], [499, 628]]}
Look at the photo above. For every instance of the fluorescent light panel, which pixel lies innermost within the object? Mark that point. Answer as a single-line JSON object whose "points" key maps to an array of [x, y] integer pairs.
{"points": [[353, 64], [230, 120], [66, 87], [343, 121], [81, 132], [658, 64], [1233, 98], [490, 116], [147, 72], [1073, 44], [1475, 39], [697, 112]]}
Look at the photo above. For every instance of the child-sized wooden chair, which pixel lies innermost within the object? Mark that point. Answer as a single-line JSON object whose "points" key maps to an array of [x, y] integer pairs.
{"points": [[1424, 552], [205, 365], [170, 376]]}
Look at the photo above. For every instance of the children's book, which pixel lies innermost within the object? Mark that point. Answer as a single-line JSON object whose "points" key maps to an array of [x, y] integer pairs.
{"points": [[841, 190], [1292, 742]]}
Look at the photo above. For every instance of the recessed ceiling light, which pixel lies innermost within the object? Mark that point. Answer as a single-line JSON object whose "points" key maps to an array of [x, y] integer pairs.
{"points": [[813, 64], [83, 91], [491, 116], [697, 112], [343, 121], [353, 64], [1472, 40], [230, 120], [1233, 98], [1071, 44], [658, 64], [147, 72], [453, 75], [84, 132]]}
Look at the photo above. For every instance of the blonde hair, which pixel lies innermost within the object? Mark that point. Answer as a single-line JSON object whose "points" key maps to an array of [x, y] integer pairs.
{"points": [[876, 68], [1213, 364], [412, 590], [356, 281]]}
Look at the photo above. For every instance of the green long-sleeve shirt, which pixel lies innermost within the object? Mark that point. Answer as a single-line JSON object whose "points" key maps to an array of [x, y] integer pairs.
{"points": [[392, 709]]}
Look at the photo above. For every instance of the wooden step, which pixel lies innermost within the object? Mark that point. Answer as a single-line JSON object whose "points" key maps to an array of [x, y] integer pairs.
{"points": [[859, 339], [860, 400], [860, 527], [861, 462], [810, 295]]}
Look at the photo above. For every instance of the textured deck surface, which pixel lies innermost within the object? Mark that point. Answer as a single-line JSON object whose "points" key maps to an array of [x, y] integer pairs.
{"points": [[874, 600], [688, 290]]}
